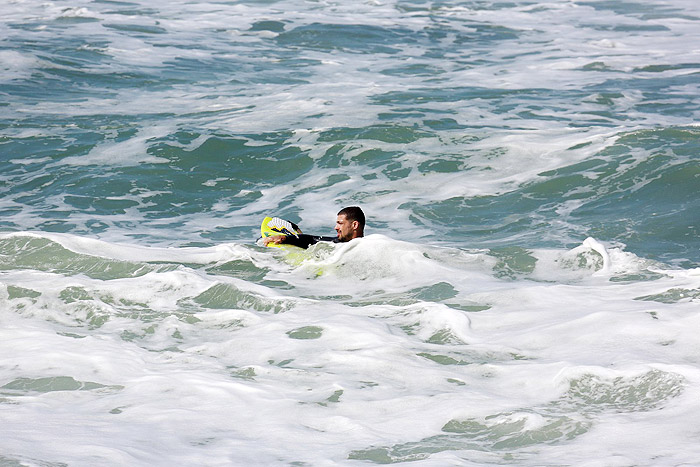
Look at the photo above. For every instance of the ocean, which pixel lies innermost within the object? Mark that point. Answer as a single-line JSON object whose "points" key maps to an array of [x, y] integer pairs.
{"points": [[527, 292]]}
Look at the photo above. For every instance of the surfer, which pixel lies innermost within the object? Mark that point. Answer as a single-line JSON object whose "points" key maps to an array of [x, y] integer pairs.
{"points": [[349, 224]]}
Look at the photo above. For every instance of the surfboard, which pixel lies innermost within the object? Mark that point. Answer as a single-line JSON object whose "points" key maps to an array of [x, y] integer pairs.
{"points": [[277, 226]]}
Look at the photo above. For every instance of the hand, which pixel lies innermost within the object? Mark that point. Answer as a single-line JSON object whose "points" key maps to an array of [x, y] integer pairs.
{"points": [[276, 239]]}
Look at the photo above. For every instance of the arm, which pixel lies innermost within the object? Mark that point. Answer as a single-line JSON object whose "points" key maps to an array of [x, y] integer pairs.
{"points": [[276, 239], [302, 241]]}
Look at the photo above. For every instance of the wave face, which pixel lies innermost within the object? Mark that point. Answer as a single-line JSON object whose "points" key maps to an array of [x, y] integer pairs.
{"points": [[526, 294]]}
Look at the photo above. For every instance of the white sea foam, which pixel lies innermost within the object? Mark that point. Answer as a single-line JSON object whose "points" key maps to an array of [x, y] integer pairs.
{"points": [[14, 65], [324, 378]]}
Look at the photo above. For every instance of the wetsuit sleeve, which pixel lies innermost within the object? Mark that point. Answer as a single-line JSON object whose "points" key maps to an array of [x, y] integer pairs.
{"points": [[304, 240]]}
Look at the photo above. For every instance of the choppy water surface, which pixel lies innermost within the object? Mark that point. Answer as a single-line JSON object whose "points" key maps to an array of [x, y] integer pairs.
{"points": [[527, 293]]}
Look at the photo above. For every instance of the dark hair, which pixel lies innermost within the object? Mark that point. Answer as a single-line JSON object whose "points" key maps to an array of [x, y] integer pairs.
{"points": [[354, 213]]}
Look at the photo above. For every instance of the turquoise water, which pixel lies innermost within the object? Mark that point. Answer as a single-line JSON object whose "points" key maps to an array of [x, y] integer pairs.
{"points": [[177, 123], [536, 164]]}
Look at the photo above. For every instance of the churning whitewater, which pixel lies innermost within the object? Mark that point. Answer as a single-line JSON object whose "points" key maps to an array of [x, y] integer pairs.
{"points": [[526, 293]]}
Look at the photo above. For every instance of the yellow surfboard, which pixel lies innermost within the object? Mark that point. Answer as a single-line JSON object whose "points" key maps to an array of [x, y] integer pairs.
{"points": [[276, 226]]}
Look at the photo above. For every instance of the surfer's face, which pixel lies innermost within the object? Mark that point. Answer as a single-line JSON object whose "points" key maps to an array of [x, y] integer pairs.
{"points": [[346, 229]]}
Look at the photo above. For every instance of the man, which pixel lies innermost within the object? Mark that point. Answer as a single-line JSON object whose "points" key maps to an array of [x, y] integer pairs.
{"points": [[349, 224]]}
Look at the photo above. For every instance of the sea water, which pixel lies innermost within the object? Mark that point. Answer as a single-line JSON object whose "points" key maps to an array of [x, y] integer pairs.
{"points": [[527, 292]]}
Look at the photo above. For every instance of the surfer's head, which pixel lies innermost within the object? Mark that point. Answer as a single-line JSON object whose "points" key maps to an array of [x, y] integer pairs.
{"points": [[350, 223]]}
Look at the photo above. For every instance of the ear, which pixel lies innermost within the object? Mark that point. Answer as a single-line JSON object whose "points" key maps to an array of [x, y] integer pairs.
{"points": [[355, 225]]}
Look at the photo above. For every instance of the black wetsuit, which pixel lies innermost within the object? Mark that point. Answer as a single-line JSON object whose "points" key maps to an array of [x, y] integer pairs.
{"points": [[305, 241]]}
